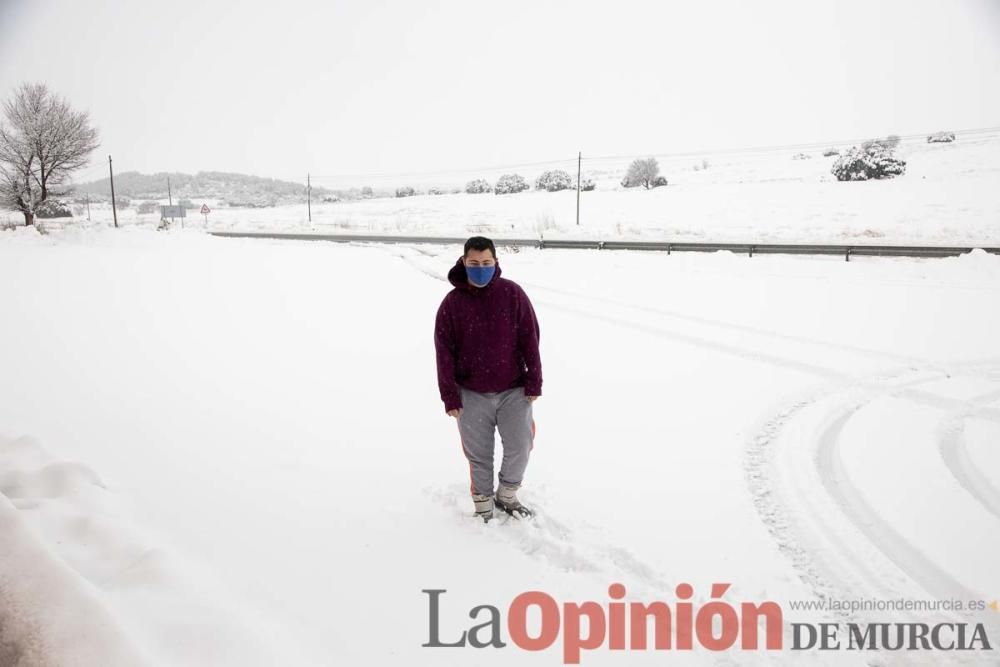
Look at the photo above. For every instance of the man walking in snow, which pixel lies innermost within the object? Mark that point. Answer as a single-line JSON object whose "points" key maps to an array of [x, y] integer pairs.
{"points": [[489, 372]]}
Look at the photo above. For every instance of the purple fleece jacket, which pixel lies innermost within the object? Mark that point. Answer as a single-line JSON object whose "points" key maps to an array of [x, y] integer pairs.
{"points": [[486, 339]]}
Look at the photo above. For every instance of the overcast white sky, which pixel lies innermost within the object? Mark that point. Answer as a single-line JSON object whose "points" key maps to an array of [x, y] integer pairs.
{"points": [[368, 86]]}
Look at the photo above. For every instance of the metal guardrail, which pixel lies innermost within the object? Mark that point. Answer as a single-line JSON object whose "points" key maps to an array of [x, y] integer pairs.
{"points": [[749, 249]]}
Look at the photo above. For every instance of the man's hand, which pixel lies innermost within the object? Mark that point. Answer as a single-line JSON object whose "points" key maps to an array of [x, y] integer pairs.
{"points": [[532, 398], [455, 413]]}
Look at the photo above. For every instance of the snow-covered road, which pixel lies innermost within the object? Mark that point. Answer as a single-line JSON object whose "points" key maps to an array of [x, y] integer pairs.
{"points": [[220, 451]]}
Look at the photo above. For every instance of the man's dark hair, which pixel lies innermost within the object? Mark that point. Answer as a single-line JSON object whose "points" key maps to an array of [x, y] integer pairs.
{"points": [[480, 243]]}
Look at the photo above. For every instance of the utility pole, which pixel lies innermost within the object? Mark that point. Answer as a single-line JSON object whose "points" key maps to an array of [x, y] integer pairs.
{"points": [[309, 189], [170, 196], [170, 200], [579, 159], [88, 207], [114, 205]]}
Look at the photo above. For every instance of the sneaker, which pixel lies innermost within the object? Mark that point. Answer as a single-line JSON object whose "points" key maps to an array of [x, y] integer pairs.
{"points": [[484, 506], [506, 500]]}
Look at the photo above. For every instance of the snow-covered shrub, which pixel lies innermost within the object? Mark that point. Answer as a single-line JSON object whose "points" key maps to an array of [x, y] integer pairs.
{"points": [[366, 192], [587, 185], [551, 181], [642, 172], [478, 187], [801, 156], [702, 166], [53, 208], [509, 184], [940, 137], [873, 161], [435, 191], [405, 191], [890, 142], [148, 207], [830, 152], [659, 182]]}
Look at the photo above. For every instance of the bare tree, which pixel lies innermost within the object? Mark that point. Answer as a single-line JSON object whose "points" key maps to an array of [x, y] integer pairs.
{"points": [[642, 172], [41, 144]]}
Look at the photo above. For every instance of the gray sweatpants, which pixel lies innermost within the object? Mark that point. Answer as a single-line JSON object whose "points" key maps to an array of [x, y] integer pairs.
{"points": [[482, 414]]}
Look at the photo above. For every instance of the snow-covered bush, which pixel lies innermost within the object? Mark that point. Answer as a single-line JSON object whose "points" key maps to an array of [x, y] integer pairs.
{"points": [[405, 191], [830, 152], [509, 184], [435, 191], [53, 208], [873, 161], [659, 182], [587, 185], [940, 137], [478, 187], [551, 181], [702, 166], [642, 172], [148, 207], [890, 142], [366, 192], [801, 156]]}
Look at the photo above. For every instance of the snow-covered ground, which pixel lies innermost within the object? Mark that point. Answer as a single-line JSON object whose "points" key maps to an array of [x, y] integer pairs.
{"points": [[232, 452], [948, 195]]}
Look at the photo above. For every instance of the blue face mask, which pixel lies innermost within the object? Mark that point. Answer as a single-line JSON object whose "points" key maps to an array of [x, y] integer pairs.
{"points": [[480, 276]]}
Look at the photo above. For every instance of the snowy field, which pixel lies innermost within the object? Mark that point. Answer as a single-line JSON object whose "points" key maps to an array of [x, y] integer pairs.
{"points": [[232, 452], [947, 196]]}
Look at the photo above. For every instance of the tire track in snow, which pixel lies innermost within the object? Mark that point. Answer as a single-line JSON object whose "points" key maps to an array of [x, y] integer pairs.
{"points": [[741, 328], [869, 522], [930, 576], [856, 565], [954, 453], [776, 500]]}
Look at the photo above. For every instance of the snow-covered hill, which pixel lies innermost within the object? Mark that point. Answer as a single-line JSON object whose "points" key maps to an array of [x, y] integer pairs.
{"points": [[230, 188]]}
